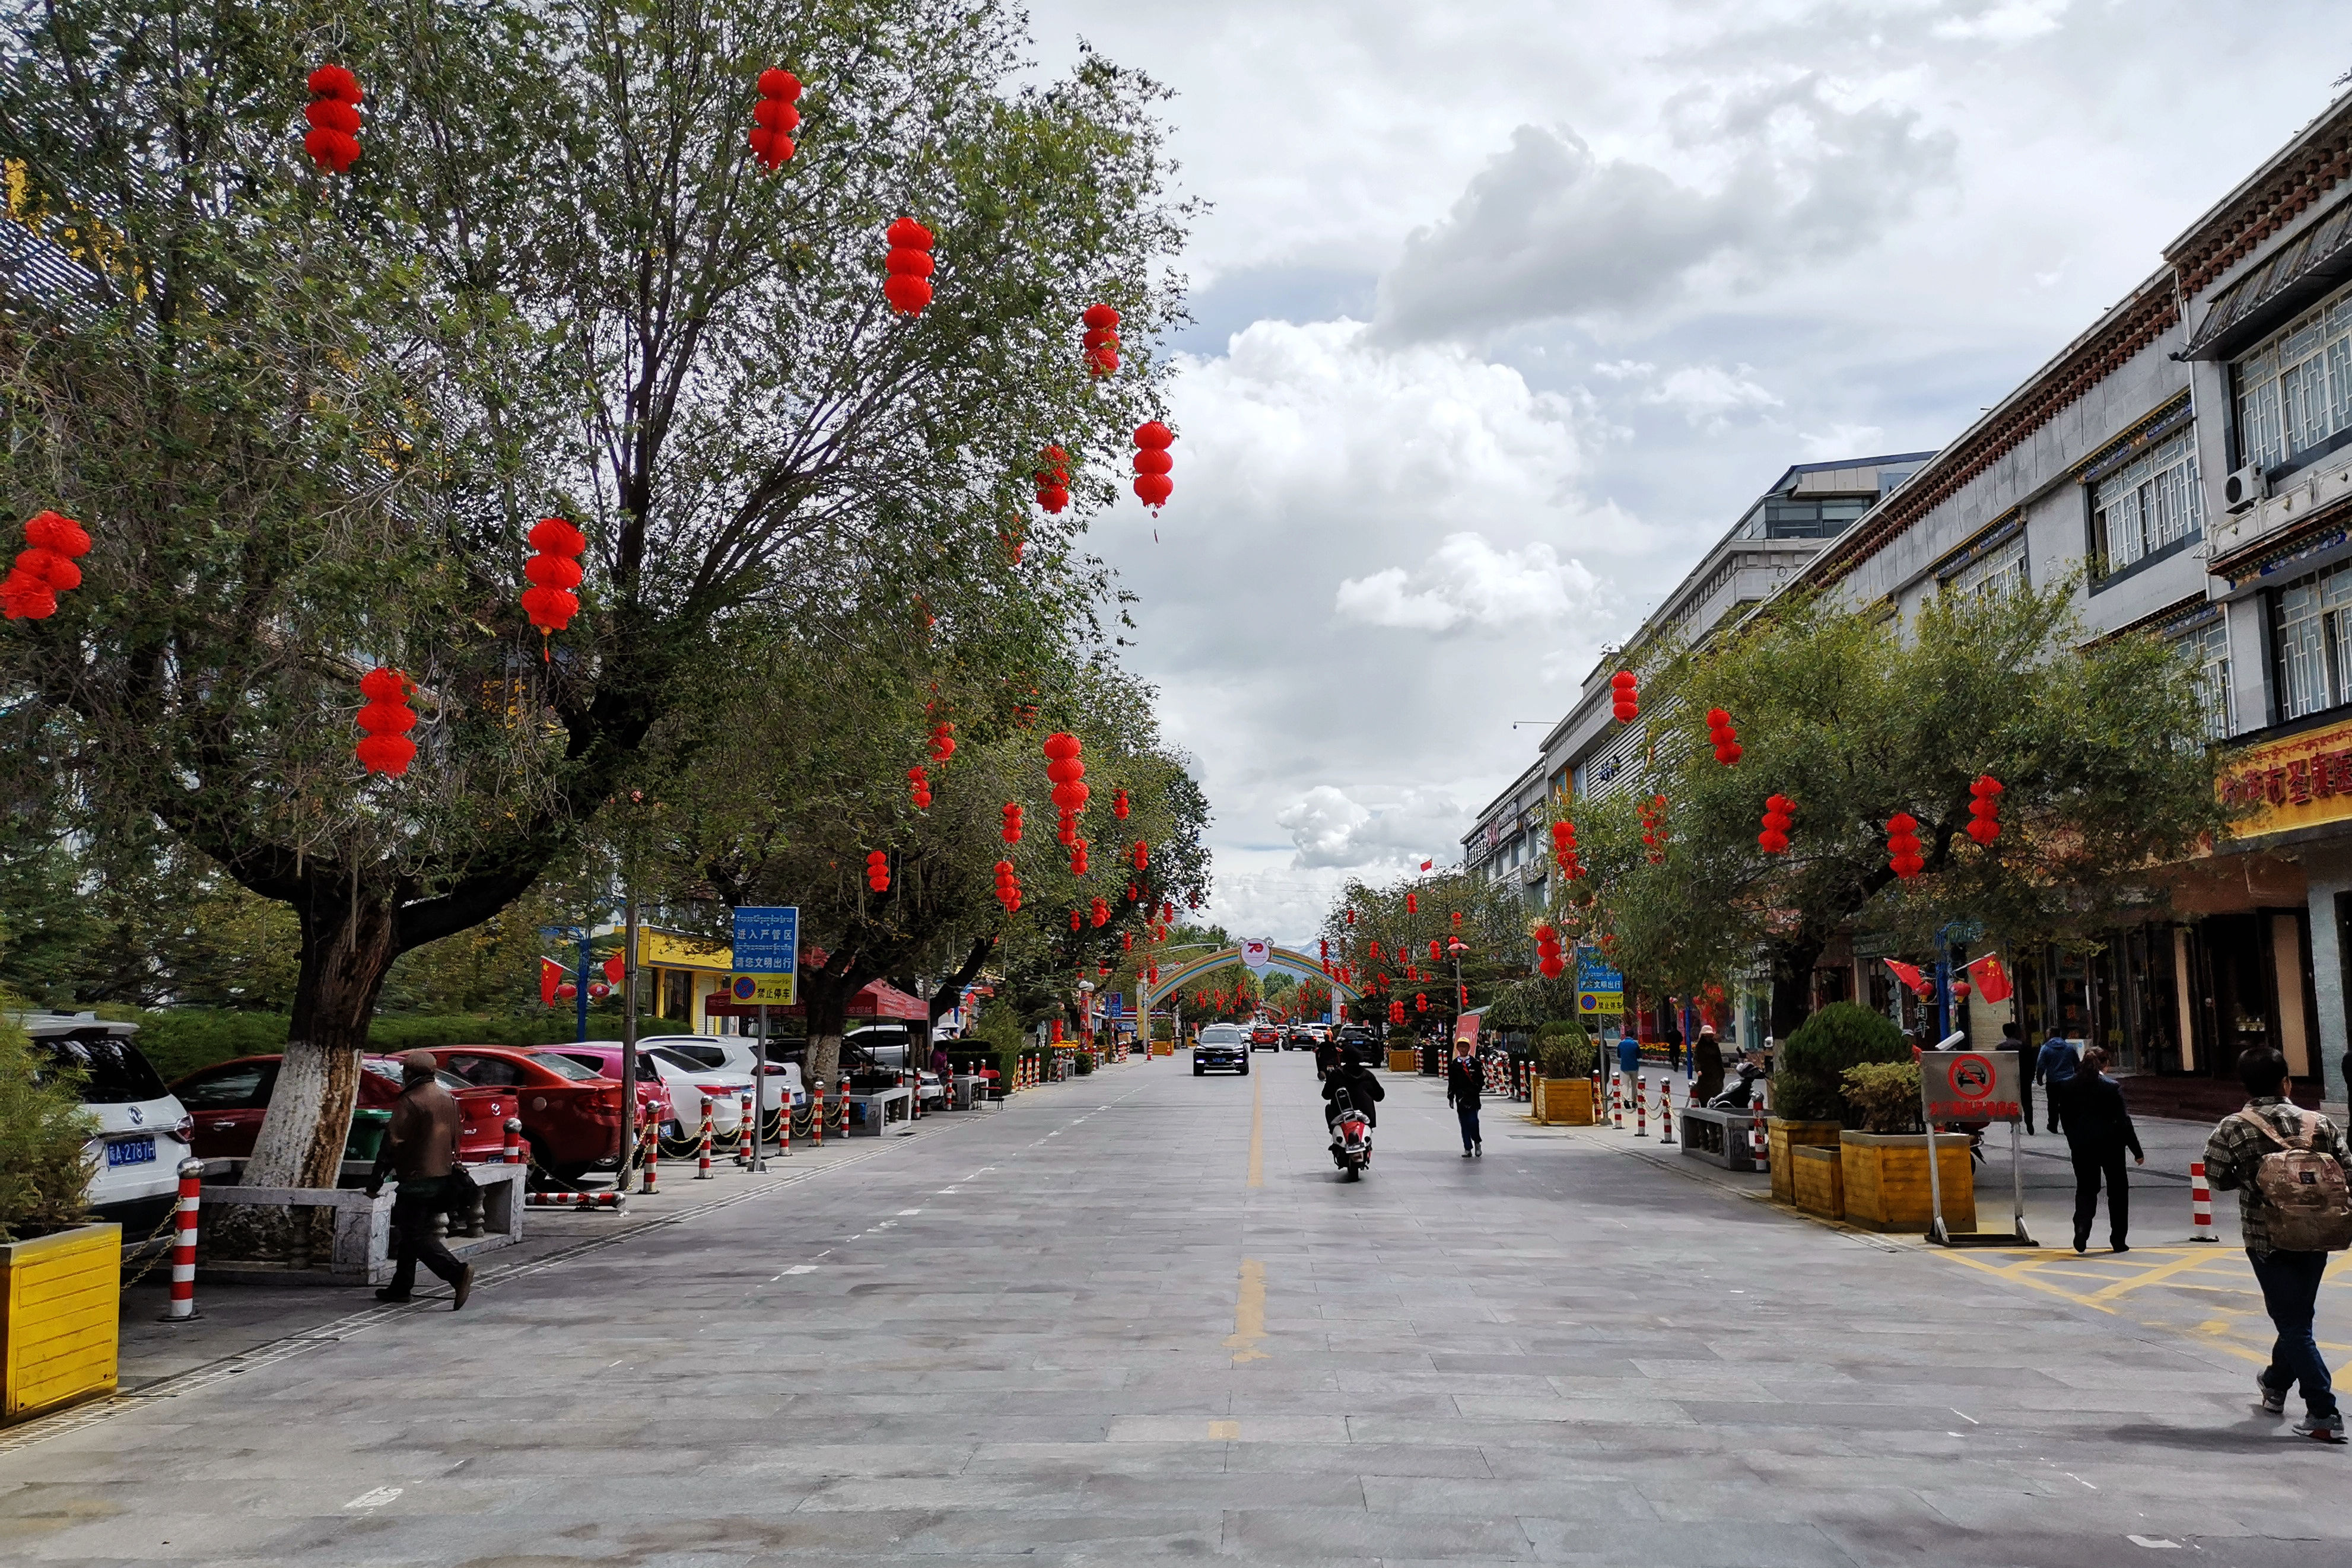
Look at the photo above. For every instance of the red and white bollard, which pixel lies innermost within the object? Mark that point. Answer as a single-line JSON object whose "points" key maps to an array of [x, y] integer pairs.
{"points": [[816, 1113], [702, 1167], [1640, 1106], [1759, 1147], [1617, 1101], [841, 1108], [784, 1119], [1665, 1110], [512, 1153], [2200, 1205], [1597, 1102], [653, 1151], [184, 1245], [747, 1131]]}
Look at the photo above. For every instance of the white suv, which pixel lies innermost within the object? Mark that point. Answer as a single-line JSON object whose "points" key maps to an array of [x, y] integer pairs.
{"points": [[144, 1132]]}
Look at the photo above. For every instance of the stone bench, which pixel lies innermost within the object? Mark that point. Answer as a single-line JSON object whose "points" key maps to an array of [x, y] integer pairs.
{"points": [[1719, 1137], [360, 1250]]}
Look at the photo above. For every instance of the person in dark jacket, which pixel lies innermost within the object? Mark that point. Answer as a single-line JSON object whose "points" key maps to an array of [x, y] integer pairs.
{"points": [[420, 1148], [2052, 1065], [2011, 1038], [2098, 1130], [1462, 1084], [1327, 1055], [1364, 1090], [1707, 1056]]}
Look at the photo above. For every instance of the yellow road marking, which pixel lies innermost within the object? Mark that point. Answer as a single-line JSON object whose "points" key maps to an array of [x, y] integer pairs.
{"points": [[1257, 1131], [2016, 1277], [2165, 1270], [1224, 1431], [1249, 1314]]}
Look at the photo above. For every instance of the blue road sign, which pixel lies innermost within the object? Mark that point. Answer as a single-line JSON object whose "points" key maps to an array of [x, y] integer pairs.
{"points": [[1591, 974], [767, 941]]}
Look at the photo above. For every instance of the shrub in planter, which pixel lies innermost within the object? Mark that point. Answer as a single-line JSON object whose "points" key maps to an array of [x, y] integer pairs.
{"points": [[1886, 1094], [1563, 1050], [1086, 1062], [1811, 1084], [45, 1167]]}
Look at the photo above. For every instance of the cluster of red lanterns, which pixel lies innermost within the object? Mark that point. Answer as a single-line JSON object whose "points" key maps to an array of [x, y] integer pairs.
{"points": [[1069, 776], [554, 573], [1099, 913], [1152, 463], [1624, 692], [1420, 1002], [1563, 850], [1101, 340], [333, 140], [45, 568], [1411, 903], [387, 718], [1078, 857], [878, 870], [773, 118], [1779, 816], [942, 741], [1903, 845], [1652, 813], [1396, 1012], [1052, 479], [1008, 887], [1119, 804], [909, 287], [1434, 955], [1142, 854], [1547, 957], [1986, 809], [919, 786], [1725, 738], [1012, 823]]}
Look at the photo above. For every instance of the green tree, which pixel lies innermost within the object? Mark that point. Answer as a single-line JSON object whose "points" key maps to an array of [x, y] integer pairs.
{"points": [[310, 420], [1386, 945], [2098, 745]]}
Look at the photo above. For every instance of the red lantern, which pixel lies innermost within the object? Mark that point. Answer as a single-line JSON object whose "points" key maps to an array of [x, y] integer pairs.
{"points": [[1654, 828], [878, 870], [333, 140], [1457, 920], [1960, 990], [598, 990], [1725, 738], [554, 573], [1903, 845], [1054, 479], [1167, 914], [1127, 941], [1563, 850], [909, 287], [1624, 697], [1779, 816], [1099, 913], [774, 119], [1463, 1001], [1420, 1002], [1152, 975], [1373, 952], [1012, 823], [1547, 954], [1077, 921], [942, 742], [1986, 809], [1008, 886], [1411, 903], [1326, 946], [45, 568], [1079, 858], [1142, 854], [1396, 1012], [1119, 804], [920, 787], [567, 990], [1101, 340], [1152, 463], [1434, 956], [387, 718], [1352, 916]]}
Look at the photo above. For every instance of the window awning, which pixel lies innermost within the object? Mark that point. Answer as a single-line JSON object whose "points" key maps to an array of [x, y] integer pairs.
{"points": [[2308, 266], [878, 1000]]}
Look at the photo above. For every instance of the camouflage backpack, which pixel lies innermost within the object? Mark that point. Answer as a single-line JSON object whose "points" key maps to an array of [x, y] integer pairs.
{"points": [[2310, 1206]]}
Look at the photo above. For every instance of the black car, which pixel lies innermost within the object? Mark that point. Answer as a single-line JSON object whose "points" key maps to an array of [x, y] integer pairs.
{"points": [[1299, 1040], [1219, 1045]]}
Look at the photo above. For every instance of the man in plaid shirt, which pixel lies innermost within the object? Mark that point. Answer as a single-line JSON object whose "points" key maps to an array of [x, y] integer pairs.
{"points": [[2290, 1281]]}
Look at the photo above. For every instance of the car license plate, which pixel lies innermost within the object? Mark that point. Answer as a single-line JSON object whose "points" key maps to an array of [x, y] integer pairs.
{"points": [[130, 1152]]}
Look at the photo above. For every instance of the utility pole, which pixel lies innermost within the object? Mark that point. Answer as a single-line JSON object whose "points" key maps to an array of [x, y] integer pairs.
{"points": [[628, 1030]]}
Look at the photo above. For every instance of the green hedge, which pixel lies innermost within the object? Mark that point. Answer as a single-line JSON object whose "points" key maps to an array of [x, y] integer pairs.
{"points": [[182, 1039], [1811, 1084]]}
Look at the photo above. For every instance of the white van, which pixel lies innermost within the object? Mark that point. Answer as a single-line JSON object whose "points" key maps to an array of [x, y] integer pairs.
{"points": [[144, 1132]]}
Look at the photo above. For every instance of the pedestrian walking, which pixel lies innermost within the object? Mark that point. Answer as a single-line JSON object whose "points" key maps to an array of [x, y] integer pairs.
{"points": [[1462, 1084], [2053, 1065], [1707, 1056], [2013, 1040], [1672, 1039], [1629, 1053], [2098, 1130], [420, 1148], [2270, 1149]]}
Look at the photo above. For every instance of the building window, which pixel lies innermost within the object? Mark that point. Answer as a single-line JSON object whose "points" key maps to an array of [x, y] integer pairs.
{"points": [[2312, 629], [1823, 518], [2295, 392], [2147, 505], [1996, 574], [2207, 648]]}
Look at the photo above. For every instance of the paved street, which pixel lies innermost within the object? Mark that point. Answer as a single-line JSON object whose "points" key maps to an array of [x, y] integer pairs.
{"points": [[1136, 1315]]}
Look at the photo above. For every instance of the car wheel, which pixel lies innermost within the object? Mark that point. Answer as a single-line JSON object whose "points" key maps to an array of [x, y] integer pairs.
{"points": [[1199, 1071], [1244, 1069]]}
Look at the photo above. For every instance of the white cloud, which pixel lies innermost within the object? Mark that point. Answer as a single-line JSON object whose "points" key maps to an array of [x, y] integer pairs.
{"points": [[1706, 395], [1842, 440], [1334, 829], [1623, 369], [1468, 580], [2008, 22]]}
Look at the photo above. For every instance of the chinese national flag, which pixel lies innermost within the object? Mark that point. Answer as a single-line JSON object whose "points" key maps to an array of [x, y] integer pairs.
{"points": [[616, 968], [550, 975], [1992, 979], [1426, 864], [1909, 974]]}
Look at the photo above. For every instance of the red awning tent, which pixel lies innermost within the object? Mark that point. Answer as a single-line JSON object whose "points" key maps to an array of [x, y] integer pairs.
{"points": [[878, 1000]]}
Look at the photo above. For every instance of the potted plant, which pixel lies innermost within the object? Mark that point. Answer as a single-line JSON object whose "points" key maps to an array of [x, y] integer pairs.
{"points": [[1808, 1104], [60, 1277], [1883, 1166], [1564, 1054]]}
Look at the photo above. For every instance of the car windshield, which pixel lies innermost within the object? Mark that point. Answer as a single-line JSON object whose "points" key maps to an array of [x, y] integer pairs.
{"points": [[112, 1071], [680, 1060], [1220, 1034], [556, 1063], [386, 1068]]}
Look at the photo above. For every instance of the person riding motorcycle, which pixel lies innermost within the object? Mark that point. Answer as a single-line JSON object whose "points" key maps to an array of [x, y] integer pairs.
{"points": [[1364, 1090]]}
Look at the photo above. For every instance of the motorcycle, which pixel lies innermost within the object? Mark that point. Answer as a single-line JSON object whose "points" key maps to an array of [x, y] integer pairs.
{"points": [[1740, 1095], [1351, 1136]]}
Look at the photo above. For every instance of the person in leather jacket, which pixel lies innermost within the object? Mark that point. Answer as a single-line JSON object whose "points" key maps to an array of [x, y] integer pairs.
{"points": [[1364, 1090]]}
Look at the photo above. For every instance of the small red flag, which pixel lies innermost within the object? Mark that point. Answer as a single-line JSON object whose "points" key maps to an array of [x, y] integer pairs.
{"points": [[1992, 979], [550, 975], [1909, 975], [1426, 864]]}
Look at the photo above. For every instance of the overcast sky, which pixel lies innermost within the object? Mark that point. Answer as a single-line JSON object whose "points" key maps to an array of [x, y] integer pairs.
{"points": [[1505, 312]]}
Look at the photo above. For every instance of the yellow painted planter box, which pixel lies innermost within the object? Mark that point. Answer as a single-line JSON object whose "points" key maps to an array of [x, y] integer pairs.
{"points": [[61, 1313], [1563, 1102], [1818, 1176], [1780, 1136], [1404, 1059], [1886, 1180]]}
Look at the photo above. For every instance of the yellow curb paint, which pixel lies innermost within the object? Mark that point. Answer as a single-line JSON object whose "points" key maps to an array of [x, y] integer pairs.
{"points": [[1224, 1431], [1249, 1314], [1257, 1131]]}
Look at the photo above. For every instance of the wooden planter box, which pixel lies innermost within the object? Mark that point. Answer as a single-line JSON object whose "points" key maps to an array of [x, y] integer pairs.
{"points": [[1818, 1175], [1404, 1059], [1886, 1180], [60, 1310], [1563, 1102], [1780, 1136]]}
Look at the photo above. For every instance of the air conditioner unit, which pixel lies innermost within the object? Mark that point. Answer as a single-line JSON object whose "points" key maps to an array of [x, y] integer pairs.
{"points": [[2244, 487]]}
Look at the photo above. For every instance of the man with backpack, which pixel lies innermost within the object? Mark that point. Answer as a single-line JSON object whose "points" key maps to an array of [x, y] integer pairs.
{"points": [[2287, 1166]]}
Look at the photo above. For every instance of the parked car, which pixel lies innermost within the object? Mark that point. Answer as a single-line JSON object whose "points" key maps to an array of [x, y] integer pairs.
{"points": [[1266, 1037], [229, 1100], [603, 1057], [144, 1130], [689, 1084], [1219, 1045], [740, 1055], [571, 1114]]}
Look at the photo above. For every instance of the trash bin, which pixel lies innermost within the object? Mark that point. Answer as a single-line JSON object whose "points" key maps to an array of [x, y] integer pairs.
{"points": [[366, 1140]]}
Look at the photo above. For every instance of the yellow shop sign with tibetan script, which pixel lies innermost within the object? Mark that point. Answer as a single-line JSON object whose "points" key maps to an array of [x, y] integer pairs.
{"points": [[2298, 782]]}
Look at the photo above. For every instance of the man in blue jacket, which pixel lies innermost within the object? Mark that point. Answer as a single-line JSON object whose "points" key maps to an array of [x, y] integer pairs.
{"points": [[2053, 1067]]}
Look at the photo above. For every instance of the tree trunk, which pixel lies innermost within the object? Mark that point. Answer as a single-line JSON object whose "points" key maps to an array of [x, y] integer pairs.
{"points": [[828, 1009], [348, 948], [943, 1000], [1793, 983]]}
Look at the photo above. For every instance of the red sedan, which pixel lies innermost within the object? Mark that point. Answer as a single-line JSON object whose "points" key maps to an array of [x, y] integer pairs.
{"points": [[570, 1115], [229, 1100]]}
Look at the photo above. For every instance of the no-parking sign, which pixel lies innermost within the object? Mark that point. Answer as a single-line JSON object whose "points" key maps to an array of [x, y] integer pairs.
{"points": [[1969, 1085]]}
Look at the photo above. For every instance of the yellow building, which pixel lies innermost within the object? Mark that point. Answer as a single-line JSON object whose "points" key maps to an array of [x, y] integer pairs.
{"points": [[679, 973]]}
